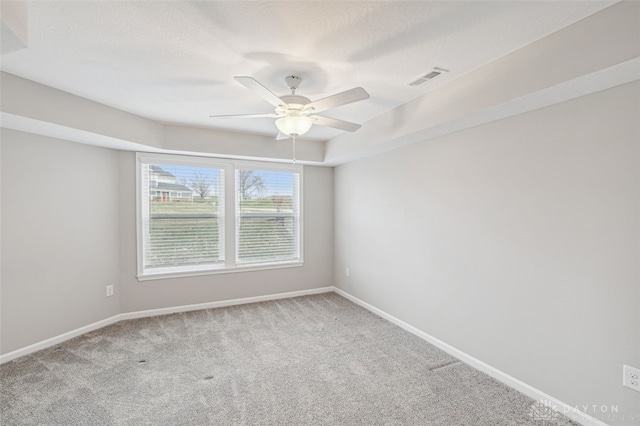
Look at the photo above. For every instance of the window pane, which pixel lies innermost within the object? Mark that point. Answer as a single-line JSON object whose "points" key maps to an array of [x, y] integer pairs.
{"points": [[266, 238], [182, 241], [184, 215], [267, 215]]}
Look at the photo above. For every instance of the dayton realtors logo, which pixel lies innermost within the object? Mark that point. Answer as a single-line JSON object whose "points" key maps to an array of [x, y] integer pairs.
{"points": [[544, 412]]}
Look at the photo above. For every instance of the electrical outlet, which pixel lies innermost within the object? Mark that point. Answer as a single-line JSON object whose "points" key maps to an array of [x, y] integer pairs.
{"points": [[109, 290], [631, 377], [347, 273]]}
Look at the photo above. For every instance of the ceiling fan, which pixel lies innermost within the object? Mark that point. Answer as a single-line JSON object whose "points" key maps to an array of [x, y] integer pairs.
{"points": [[296, 114]]}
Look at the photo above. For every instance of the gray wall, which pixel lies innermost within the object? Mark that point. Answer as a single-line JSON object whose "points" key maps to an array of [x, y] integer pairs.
{"points": [[517, 242], [68, 230], [316, 272], [59, 237]]}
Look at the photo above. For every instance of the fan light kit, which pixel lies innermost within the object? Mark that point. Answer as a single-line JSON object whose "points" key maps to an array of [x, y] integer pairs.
{"points": [[294, 125]]}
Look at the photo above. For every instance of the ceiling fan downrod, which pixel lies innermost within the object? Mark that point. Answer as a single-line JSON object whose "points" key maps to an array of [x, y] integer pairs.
{"points": [[293, 82]]}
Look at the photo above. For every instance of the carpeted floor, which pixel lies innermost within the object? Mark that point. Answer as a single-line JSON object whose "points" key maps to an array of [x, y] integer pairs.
{"points": [[313, 360]]}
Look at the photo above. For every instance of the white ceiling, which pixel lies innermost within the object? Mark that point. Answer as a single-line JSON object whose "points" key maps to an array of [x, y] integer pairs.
{"points": [[174, 62]]}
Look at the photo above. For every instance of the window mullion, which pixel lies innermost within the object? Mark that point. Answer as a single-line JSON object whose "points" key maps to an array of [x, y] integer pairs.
{"points": [[230, 216]]}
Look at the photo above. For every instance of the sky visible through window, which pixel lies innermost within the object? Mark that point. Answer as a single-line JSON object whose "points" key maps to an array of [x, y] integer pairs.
{"points": [[276, 182]]}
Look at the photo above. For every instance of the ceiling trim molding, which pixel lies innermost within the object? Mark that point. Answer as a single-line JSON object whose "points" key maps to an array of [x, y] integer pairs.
{"points": [[617, 75], [31, 107], [596, 53]]}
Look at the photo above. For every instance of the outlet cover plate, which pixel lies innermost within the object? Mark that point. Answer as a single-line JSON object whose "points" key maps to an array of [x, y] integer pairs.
{"points": [[631, 377]]}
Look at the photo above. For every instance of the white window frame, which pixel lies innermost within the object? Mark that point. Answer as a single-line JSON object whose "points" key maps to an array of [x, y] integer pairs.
{"points": [[297, 209], [228, 245]]}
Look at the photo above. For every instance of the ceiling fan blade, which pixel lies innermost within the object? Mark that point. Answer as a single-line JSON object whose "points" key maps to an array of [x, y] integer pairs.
{"points": [[335, 123], [270, 115], [257, 88], [282, 136], [338, 99]]}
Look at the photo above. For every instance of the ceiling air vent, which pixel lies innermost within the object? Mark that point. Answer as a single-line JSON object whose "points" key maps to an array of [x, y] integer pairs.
{"points": [[428, 76]]}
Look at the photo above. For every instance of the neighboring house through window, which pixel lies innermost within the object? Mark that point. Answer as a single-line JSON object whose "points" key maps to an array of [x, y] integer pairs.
{"points": [[163, 186]]}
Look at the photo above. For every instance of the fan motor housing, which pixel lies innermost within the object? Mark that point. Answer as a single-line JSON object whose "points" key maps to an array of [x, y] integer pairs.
{"points": [[293, 100]]}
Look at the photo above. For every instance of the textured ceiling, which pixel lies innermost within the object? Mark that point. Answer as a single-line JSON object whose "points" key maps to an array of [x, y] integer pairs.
{"points": [[174, 61]]}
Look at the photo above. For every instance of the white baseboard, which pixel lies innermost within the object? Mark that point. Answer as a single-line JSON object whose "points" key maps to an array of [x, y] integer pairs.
{"points": [[530, 391], [223, 303], [57, 339], [151, 313]]}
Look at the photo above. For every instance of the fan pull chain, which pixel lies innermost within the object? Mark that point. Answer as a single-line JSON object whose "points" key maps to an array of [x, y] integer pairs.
{"points": [[294, 149]]}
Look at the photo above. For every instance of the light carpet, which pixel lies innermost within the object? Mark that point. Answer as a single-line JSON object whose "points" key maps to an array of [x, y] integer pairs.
{"points": [[313, 360]]}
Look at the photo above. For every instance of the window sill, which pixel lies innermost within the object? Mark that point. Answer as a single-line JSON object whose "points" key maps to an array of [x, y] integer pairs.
{"points": [[221, 270]]}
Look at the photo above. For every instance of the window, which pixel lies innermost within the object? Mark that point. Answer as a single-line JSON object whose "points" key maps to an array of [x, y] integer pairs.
{"points": [[182, 212], [184, 206], [267, 209]]}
